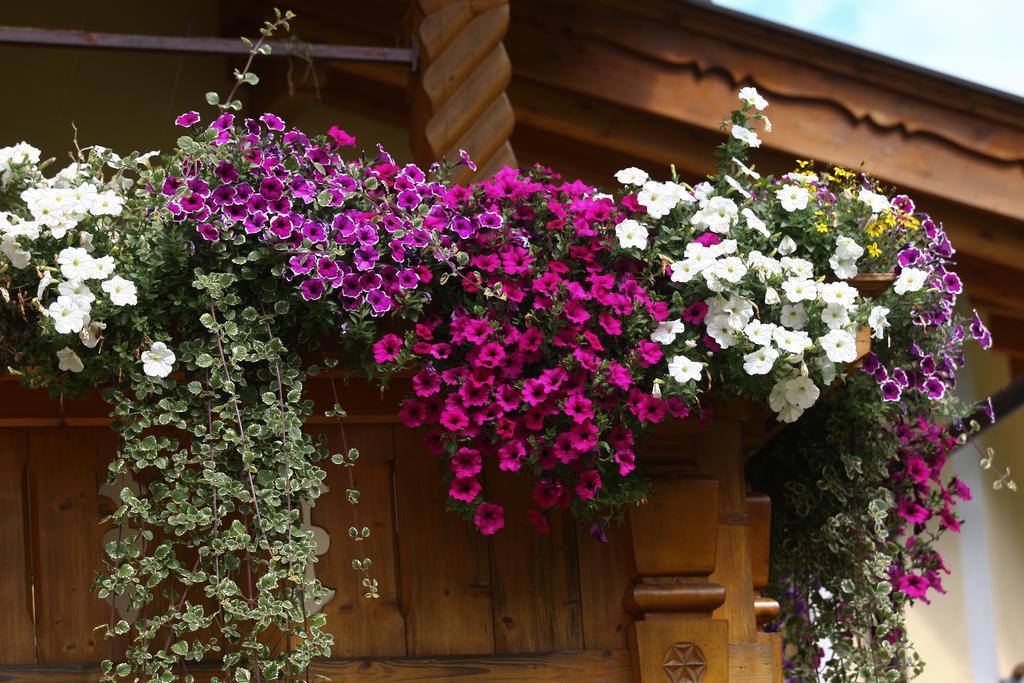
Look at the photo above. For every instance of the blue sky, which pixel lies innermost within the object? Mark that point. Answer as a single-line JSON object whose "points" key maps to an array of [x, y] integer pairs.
{"points": [[977, 40]]}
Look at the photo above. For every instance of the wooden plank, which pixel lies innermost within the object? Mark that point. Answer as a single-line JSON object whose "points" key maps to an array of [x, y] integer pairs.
{"points": [[361, 626], [590, 666], [452, 117], [604, 580], [722, 457], [15, 561], [67, 468], [751, 663], [759, 507], [467, 49], [535, 577], [445, 568]]}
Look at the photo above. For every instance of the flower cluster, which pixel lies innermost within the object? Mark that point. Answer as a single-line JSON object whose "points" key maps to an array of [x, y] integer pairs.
{"points": [[762, 269], [922, 496], [352, 229], [539, 362], [59, 236]]}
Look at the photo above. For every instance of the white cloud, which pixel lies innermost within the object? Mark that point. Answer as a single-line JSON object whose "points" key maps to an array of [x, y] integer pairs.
{"points": [[977, 41]]}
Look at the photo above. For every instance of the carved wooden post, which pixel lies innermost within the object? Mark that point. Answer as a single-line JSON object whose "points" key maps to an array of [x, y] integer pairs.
{"points": [[459, 99], [693, 591]]}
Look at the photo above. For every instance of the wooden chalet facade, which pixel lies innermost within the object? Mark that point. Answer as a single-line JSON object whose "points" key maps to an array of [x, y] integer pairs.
{"points": [[585, 87]]}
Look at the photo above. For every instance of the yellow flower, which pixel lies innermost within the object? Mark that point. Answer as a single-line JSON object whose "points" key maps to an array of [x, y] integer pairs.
{"points": [[873, 250], [822, 227]]}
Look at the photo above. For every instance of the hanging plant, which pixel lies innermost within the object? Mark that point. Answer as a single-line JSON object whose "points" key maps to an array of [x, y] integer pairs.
{"points": [[545, 325]]}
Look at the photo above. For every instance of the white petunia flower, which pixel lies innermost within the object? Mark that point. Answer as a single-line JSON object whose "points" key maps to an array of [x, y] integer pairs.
{"points": [[746, 136], [840, 346], [760, 333], [843, 268], [79, 291], [158, 361], [794, 316], [632, 176], [721, 331], [15, 226], [68, 315], [631, 234], [878, 319], [103, 267], [736, 185], [764, 265], [44, 282], [877, 202], [835, 316], [846, 248], [827, 369], [107, 203], [718, 215], [683, 271], [19, 258], [90, 334], [658, 199], [801, 392], [787, 246], [837, 293], [681, 193], [760, 362], [746, 170], [793, 341], [723, 248], [682, 369], [702, 190], [76, 263], [68, 360], [797, 267], [755, 223], [85, 241], [731, 269], [771, 296], [910, 280], [793, 197], [750, 97], [799, 289], [666, 332], [122, 292]]}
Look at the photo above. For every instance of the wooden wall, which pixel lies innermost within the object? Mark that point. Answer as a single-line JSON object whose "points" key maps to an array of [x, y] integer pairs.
{"points": [[446, 591]]}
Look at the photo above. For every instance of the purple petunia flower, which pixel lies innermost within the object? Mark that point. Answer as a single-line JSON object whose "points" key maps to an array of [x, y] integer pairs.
{"points": [[224, 122], [890, 391], [312, 289], [208, 231], [952, 283], [191, 203], [272, 122], [235, 212], [408, 279], [187, 119], [489, 219], [271, 189]]}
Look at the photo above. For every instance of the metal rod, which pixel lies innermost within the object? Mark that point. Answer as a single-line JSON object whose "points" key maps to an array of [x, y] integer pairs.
{"points": [[18, 35]]}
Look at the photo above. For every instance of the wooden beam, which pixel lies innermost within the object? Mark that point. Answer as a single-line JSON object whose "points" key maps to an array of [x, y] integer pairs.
{"points": [[593, 666], [20, 35], [459, 99]]}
